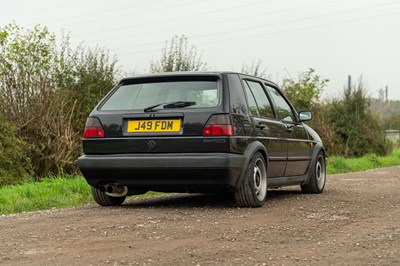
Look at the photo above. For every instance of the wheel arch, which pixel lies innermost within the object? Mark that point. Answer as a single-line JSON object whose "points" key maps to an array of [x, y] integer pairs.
{"points": [[317, 149], [254, 147]]}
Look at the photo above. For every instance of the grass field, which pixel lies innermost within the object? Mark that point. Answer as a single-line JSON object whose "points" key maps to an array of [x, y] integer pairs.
{"points": [[66, 191]]}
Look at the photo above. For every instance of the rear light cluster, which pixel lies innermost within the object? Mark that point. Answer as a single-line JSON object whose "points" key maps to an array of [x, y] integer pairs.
{"points": [[218, 125], [93, 128]]}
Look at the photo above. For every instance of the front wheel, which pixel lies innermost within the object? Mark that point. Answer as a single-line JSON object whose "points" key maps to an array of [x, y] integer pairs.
{"points": [[253, 191], [318, 177], [103, 199]]}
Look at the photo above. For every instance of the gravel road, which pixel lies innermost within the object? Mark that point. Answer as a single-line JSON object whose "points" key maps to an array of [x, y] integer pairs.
{"points": [[354, 222]]}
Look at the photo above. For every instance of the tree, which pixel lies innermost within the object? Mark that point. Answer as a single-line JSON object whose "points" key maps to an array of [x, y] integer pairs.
{"points": [[178, 57], [254, 69], [305, 92]]}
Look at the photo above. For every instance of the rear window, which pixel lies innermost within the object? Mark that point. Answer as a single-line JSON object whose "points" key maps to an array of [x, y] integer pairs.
{"points": [[204, 94]]}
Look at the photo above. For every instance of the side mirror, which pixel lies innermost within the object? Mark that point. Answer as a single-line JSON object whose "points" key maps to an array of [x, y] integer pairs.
{"points": [[305, 116]]}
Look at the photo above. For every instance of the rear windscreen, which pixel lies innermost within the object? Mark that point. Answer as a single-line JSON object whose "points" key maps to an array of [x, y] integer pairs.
{"points": [[203, 94]]}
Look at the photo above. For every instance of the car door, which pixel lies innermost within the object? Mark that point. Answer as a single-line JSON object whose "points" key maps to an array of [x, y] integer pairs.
{"points": [[268, 129], [298, 144]]}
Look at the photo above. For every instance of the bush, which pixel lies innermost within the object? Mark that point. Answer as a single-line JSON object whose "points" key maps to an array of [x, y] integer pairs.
{"points": [[346, 125], [33, 98], [322, 124], [15, 166], [93, 72], [358, 132], [47, 90], [304, 93]]}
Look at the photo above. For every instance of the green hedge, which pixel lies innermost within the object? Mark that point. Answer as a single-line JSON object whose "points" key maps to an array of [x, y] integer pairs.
{"points": [[15, 165]]}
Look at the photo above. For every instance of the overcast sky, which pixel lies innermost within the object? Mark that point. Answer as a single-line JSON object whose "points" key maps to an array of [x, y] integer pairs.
{"points": [[337, 38]]}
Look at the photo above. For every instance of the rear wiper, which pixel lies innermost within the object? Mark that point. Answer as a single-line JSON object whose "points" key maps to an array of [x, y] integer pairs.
{"points": [[179, 104]]}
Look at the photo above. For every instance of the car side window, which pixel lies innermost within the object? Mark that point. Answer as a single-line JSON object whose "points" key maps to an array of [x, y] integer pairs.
{"points": [[283, 108], [261, 98], [251, 101]]}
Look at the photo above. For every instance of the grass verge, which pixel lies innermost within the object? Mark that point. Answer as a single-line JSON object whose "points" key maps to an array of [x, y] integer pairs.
{"points": [[52, 192], [338, 164], [67, 191]]}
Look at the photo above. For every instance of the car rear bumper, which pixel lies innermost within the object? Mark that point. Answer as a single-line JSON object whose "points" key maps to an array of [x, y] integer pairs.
{"points": [[172, 171]]}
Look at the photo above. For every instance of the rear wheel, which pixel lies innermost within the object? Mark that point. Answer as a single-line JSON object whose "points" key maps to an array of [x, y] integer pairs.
{"points": [[253, 191], [103, 199], [318, 177]]}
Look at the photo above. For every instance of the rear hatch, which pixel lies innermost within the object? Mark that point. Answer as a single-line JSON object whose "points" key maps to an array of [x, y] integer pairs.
{"points": [[160, 114]]}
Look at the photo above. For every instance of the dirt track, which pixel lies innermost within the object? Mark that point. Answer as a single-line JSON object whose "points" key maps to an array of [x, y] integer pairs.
{"points": [[356, 221]]}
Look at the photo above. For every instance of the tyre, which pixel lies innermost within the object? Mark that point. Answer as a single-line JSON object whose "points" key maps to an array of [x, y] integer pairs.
{"points": [[253, 191], [318, 177], [103, 199]]}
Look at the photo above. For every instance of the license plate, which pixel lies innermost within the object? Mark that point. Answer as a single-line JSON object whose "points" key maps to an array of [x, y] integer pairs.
{"points": [[154, 126]]}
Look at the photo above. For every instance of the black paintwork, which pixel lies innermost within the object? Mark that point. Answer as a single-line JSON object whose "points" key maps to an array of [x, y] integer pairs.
{"points": [[128, 159]]}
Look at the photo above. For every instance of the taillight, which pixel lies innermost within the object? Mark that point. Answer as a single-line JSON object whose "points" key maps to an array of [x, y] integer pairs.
{"points": [[93, 128], [218, 125]]}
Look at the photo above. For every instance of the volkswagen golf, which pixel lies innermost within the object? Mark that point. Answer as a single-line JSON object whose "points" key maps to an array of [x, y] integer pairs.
{"points": [[199, 132]]}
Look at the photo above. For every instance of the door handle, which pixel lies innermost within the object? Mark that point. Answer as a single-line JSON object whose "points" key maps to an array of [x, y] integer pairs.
{"points": [[288, 128], [260, 126]]}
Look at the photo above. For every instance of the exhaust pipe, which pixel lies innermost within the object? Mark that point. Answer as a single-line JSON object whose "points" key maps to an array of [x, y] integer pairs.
{"points": [[114, 190]]}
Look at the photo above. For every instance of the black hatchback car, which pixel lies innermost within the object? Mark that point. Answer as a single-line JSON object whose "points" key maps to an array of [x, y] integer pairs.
{"points": [[199, 132]]}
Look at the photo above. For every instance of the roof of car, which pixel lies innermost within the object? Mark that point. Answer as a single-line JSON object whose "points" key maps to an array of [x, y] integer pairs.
{"points": [[179, 73], [190, 73]]}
